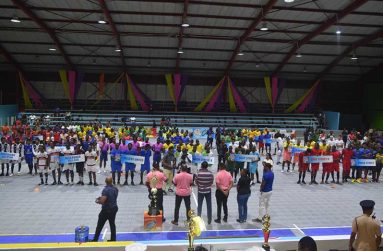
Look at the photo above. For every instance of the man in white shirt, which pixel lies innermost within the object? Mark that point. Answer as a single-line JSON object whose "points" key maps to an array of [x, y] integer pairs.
{"points": [[42, 164], [90, 158]]}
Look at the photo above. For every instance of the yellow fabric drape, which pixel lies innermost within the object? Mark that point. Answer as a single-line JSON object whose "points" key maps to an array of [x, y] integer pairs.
{"points": [[169, 84], [27, 100], [208, 97], [300, 100], [268, 89], [64, 81], [132, 98], [232, 106]]}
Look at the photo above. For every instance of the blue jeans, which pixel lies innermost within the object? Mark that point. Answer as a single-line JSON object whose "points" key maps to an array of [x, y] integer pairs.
{"points": [[207, 196], [242, 206]]}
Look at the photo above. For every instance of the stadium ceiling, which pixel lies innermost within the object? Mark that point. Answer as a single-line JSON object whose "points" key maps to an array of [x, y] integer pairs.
{"points": [[305, 39]]}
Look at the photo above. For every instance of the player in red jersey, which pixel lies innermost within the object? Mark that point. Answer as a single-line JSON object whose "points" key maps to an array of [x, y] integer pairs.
{"points": [[336, 156], [315, 166], [327, 167], [303, 166], [347, 154]]}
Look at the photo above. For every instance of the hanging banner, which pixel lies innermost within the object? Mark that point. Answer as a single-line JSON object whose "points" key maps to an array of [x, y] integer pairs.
{"points": [[79, 79], [238, 99], [139, 97], [268, 89], [27, 101], [232, 106], [64, 81], [169, 84], [214, 99], [274, 86], [132, 98], [101, 85], [207, 98], [177, 86], [306, 101], [301, 99]]}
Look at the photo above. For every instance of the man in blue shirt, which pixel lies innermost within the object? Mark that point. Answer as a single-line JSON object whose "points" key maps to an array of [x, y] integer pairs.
{"points": [[146, 152], [266, 191], [129, 167], [108, 200], [115, 164]]}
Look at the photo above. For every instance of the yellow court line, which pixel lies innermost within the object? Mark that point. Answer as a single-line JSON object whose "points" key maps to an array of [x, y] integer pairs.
{"points": [[65, 245]]}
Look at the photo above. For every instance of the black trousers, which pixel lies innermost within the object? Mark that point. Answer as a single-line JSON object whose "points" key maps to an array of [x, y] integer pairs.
{"points": [[178, 204], [104, 215], [221, 202]]}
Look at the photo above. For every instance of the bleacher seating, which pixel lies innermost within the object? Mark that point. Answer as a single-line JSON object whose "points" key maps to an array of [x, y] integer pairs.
{"points": [[183, 119]]}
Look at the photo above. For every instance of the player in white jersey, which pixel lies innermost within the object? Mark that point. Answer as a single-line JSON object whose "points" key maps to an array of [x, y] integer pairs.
{"points": [[339, 143], [42, 164], [68, 168], [18, 148], [90, 161], [4, 147], [54, 162]]}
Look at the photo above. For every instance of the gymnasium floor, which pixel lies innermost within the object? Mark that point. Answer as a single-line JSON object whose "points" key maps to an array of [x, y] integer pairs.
{"points": [[296, 210]]}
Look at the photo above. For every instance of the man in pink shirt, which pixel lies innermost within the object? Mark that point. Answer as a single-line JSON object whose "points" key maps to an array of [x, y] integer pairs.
{"points": [[158, 178], [224, 182], [183, 182]]}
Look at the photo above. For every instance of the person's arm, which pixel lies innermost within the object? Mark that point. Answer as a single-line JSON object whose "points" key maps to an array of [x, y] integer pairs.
{"points": [[262, 185], [101, 200], [378, 235], [353, 234]]}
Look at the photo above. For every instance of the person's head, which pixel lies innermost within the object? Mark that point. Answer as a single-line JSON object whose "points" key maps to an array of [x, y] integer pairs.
{"points": [[184, 168], [307, 244], [268, 155], [244, 172], [156, 166], [108, 181], [67, 145], [204, 165], [266, 166], [367, 206], [222, 166], [171, 150], [130, 146]]}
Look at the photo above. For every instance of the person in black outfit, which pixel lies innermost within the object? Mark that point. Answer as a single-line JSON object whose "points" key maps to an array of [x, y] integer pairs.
{"points": [[108, 200], [243, 189], [80, 166]]}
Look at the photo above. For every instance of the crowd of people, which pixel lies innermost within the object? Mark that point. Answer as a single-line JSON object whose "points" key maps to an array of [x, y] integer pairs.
{"points": [[171, 152]]}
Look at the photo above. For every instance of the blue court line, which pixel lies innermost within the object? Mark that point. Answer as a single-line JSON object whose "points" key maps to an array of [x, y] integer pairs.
{"points": [[149, 236]]}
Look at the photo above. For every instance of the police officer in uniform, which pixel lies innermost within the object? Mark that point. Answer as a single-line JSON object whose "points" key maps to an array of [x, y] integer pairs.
{"points": [[366, 233]]}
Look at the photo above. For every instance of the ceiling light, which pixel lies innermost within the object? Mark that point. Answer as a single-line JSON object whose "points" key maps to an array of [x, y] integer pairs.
{"points": [[101, 20], [52, 49], [240, 53], [15, 19], [180, 51], [118, 49], [264, 27], [257, 65], [299, 55], [354, 57], [149, 64], [289, 1], [185, 25]]}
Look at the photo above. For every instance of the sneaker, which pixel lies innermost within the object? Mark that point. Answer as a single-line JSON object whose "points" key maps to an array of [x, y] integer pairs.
{"points": [[60, 183], [224, 219], [303, 182], [125, 183], [217, 221], [78, 183], [141, 183], [54, 183], [2, 174], [316, 183], [282, 171], [252, 183], [41, 183], [11, 175], [174, 222], [322, 182], [132, 183], [298, 182], [258, 182], [46, 183], [311, 183], [95, 184], [18, 173], [104, 171], [256, 220], [82, 183], [240, 221], [90, 183], [99, 171], [170, 190]]}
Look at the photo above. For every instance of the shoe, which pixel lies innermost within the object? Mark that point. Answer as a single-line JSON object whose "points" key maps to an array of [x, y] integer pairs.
{"points": [[67, 183], [118, 183], [54, 183], [90, 183], [125, 183], [235, 181], [99, 172], [164, 192], [298, 182], [311, 183], [224, 220], [258, 182], [303, 182], [95, 184], [256, 220], [282, 171], [316, 183], [132, 183], [78, 183], [41, 183], [327, 182], [46, 183], [18, 173], [174, 222], [72, 183], [252, 183], [339, 183], [60, 183], [11, 175], [240, 221], [163, 220], [82, 183], [104, 171], [322, 182], [7, 174], [217, 221], [332, 182], [141, 183], [2, 174]]}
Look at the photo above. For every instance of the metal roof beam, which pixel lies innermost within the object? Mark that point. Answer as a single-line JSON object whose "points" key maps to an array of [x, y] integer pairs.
{"points": [[349, 50], [21, 5], [327, 24], [114, 30], [263, 12], [181, 34]]}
